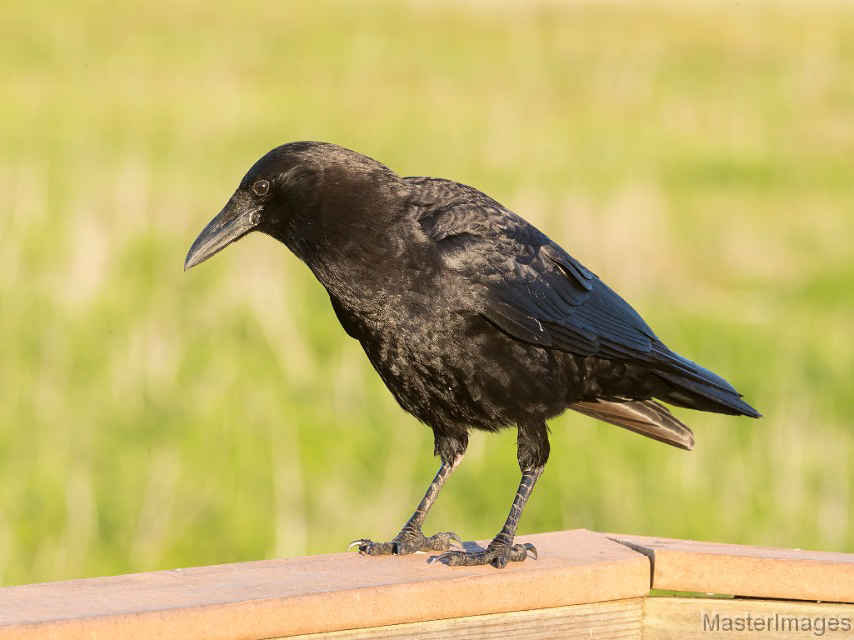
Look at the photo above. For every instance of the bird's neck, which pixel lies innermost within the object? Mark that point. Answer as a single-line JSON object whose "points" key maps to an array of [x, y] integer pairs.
{"points": [[355, 243]]}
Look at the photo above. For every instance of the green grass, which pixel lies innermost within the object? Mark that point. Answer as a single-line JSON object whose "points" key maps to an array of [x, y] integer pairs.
{"points": [[700, 159]]}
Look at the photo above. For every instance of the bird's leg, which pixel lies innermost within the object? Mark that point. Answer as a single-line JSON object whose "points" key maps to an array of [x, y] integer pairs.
{"points": [[501, 550], [411, 538], [533, 452]]}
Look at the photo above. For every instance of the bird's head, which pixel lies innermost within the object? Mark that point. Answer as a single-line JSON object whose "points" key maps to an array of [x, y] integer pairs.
{"points": [[289, 194]]}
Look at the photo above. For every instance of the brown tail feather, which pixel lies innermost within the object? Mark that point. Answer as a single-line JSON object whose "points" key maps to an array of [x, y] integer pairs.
{"points": [[647, 417]]}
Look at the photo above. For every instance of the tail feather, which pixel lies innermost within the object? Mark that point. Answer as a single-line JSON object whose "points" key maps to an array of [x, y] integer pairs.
{"points": [[699, 388], [646, 417]]}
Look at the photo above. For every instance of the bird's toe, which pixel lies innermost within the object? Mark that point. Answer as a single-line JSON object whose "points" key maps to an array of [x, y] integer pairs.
{"points": [[520, 552], [406, 542], [442, 541], [498, 555], [371, 548], [412, 540]]}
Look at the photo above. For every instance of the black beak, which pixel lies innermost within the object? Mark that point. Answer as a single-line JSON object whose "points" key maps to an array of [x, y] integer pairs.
{"points": [[239, 216]]}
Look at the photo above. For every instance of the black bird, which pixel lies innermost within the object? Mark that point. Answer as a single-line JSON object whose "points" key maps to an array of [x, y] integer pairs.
{"points": [[472, 317]]}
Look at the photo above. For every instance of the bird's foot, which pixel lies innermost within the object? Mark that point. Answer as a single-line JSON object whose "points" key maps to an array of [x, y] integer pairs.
{"points": [[498, 554], [409, 540]]}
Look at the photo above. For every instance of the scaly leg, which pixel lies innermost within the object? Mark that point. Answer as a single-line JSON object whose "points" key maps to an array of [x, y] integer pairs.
{"points": [[411, 538], [501, 550], [533, 452]]}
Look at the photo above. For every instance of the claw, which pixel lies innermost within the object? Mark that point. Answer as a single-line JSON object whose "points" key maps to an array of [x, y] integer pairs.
{"points": [[440, 557], [532, 550], [453, 537], [357, 543]]}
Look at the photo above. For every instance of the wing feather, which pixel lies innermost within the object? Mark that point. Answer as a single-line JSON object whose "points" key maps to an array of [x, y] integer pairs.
{"points": [[534, 291], [529, 286]]}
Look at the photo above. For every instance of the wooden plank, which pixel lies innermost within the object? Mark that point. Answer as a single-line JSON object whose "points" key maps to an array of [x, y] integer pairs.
{"points": [[764, 572], [711, 618], [615, 620], [312, 594]]}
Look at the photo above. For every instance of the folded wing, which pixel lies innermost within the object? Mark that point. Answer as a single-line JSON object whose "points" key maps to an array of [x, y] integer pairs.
{"points": [[534, 291]]}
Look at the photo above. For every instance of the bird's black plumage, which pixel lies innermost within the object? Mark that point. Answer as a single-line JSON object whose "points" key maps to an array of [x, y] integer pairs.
{"points": [[472, 317]]}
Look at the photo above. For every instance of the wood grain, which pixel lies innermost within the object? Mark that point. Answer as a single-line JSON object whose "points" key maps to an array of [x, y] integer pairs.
{"points": [[763, 572], [711, 618], [615, 620], [586, 585], [323, 593]]}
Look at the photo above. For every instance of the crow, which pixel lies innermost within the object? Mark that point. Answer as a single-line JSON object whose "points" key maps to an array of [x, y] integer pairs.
{"points": [[472, 317]]}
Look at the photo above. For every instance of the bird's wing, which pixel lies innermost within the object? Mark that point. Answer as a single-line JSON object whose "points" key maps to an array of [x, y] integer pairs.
{"points": [[536, 292], [527, 285]]}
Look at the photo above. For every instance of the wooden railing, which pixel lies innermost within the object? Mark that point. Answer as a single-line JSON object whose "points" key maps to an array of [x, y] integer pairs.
{"points": [[585, 585]]}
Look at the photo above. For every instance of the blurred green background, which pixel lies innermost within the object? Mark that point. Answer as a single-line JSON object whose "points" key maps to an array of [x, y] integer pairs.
{"points": [[698, 157]]}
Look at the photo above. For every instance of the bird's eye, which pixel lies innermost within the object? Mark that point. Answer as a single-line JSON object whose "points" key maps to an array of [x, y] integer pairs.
{"points": [[261, 188]]}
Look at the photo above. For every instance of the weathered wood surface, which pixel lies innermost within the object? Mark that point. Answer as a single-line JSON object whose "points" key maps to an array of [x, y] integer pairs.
{"points": [[586, 585], [761, 572], [333, 592], [614, 620]]}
